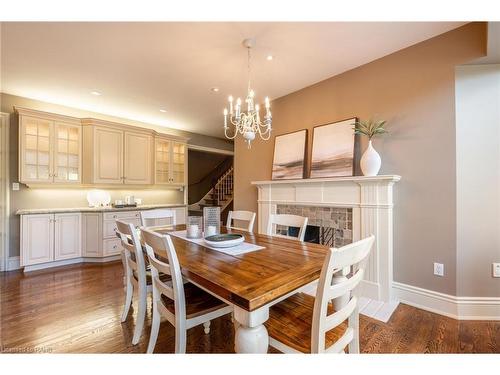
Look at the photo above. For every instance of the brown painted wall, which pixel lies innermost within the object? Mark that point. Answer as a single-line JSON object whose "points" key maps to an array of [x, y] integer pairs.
{"points": [[413, 89]]}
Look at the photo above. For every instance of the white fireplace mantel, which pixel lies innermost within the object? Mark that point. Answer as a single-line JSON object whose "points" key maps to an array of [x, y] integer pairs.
{"points": [[371, 200]]}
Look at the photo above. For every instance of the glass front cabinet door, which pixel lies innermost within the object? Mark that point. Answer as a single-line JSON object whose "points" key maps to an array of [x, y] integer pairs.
{"points": [[178, 163], [50, 151], [170, 162]]}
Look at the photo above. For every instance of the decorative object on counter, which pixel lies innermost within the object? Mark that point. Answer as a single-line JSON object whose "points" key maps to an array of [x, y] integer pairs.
{"points": [[119, 204], [289, 155], [224, 240], [333, 149], [370, 161], [98, 198], [138, 201], [211, 221], [129, 199], [248, 123], [194, 225]]}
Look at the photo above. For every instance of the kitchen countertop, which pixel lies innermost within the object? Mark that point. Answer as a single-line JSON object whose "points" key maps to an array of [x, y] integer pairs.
{"points": [[94, 209]]}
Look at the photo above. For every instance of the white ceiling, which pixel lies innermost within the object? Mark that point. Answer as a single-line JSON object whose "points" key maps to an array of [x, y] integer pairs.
{"points": [[142, 67]]}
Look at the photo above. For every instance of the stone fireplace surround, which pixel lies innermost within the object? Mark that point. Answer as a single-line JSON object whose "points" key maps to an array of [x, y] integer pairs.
{"points": [[327, 225], [370, 202]]}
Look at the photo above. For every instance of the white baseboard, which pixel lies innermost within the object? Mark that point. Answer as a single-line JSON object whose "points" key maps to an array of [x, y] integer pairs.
{"points": [[13, 263], [66, 262], [460, 308]]}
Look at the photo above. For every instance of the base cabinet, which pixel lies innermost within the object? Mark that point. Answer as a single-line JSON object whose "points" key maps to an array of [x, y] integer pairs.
{"points": [[67, 236], [49, 240], [50, 237], [37, 239], [91, 234]]}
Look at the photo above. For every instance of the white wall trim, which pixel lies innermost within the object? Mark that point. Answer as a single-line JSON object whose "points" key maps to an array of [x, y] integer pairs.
{"points": [[4, 191], [66, 262], [210, 149], [460, 308], [13, 263]]}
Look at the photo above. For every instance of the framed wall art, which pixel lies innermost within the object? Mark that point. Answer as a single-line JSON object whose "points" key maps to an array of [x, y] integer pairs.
{"points": [[289, 155], [333, 149]]}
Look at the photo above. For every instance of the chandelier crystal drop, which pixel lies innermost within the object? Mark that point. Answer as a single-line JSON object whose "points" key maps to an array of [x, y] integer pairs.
{"points": [[248, 123]]}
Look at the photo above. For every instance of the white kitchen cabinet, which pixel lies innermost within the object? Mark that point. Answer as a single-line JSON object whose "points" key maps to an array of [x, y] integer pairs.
{"points": [[91, 234], [111, 244], [53, 239], [107, 156], [37, 239], [170, 162], [67, 236], [50, 237], [50, 148], [116, 154], [138, 158]]}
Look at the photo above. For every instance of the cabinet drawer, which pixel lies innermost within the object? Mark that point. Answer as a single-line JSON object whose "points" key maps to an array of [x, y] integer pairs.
{"points": [[122, 215], [111, 247], [109, 227]]}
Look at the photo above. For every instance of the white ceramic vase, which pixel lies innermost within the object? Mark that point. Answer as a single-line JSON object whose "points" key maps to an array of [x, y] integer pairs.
{"points": [[370, 161]]}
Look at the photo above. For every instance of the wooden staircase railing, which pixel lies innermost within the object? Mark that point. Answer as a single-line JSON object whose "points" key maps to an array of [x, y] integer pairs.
{"points": [[220, 195]]}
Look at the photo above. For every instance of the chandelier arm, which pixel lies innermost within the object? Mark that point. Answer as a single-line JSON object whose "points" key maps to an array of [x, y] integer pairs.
{"points": [[230, 137]]}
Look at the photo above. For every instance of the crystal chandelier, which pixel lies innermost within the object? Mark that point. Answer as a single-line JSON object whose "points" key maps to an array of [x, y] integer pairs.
{"points": [[247, 123]]}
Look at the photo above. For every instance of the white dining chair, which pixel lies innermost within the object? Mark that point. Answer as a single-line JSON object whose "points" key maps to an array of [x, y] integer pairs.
{"points": [[287, 221], [247, 216], [304, 324], [156, 217], [183, 305], [136, 275]]}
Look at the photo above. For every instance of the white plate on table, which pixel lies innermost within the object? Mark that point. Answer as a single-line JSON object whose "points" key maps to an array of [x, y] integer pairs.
{"points": [[225, 240]]}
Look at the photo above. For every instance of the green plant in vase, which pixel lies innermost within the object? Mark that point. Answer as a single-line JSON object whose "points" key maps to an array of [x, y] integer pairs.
{"points": [[370, 161]]}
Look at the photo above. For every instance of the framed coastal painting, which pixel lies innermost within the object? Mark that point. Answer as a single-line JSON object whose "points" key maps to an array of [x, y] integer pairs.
{"points": [[333, 149], [289, 155]]}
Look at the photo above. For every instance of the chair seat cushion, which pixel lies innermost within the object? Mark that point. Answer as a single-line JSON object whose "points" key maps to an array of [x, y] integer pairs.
{"points": [[290, 322], [198, 302]]}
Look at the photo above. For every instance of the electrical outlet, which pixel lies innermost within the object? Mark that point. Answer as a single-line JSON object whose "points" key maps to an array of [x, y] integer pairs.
{"points": [[496, 269], [15, 186], [439, 269]]}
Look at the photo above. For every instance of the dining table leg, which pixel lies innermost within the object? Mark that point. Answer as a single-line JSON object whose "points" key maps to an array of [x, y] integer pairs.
{"points": [[251, 334]]}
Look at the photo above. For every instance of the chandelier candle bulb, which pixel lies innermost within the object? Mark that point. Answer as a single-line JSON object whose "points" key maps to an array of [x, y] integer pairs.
{"points": [[238, 108], [230, 99]]}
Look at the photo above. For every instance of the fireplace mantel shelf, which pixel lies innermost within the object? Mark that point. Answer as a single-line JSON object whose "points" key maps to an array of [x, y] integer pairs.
{"points": [[357, 179]]}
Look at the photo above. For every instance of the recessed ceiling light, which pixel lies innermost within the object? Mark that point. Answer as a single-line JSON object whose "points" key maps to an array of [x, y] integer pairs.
{"points": [[269, 57], [214, 89], [96, 93], [163, 110]]}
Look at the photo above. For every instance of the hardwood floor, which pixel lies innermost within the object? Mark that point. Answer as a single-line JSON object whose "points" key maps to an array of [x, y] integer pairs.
{"points": [[77, 309]]}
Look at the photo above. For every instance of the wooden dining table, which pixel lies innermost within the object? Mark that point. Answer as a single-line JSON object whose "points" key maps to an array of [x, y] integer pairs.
{"points": [[251, 282]]}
